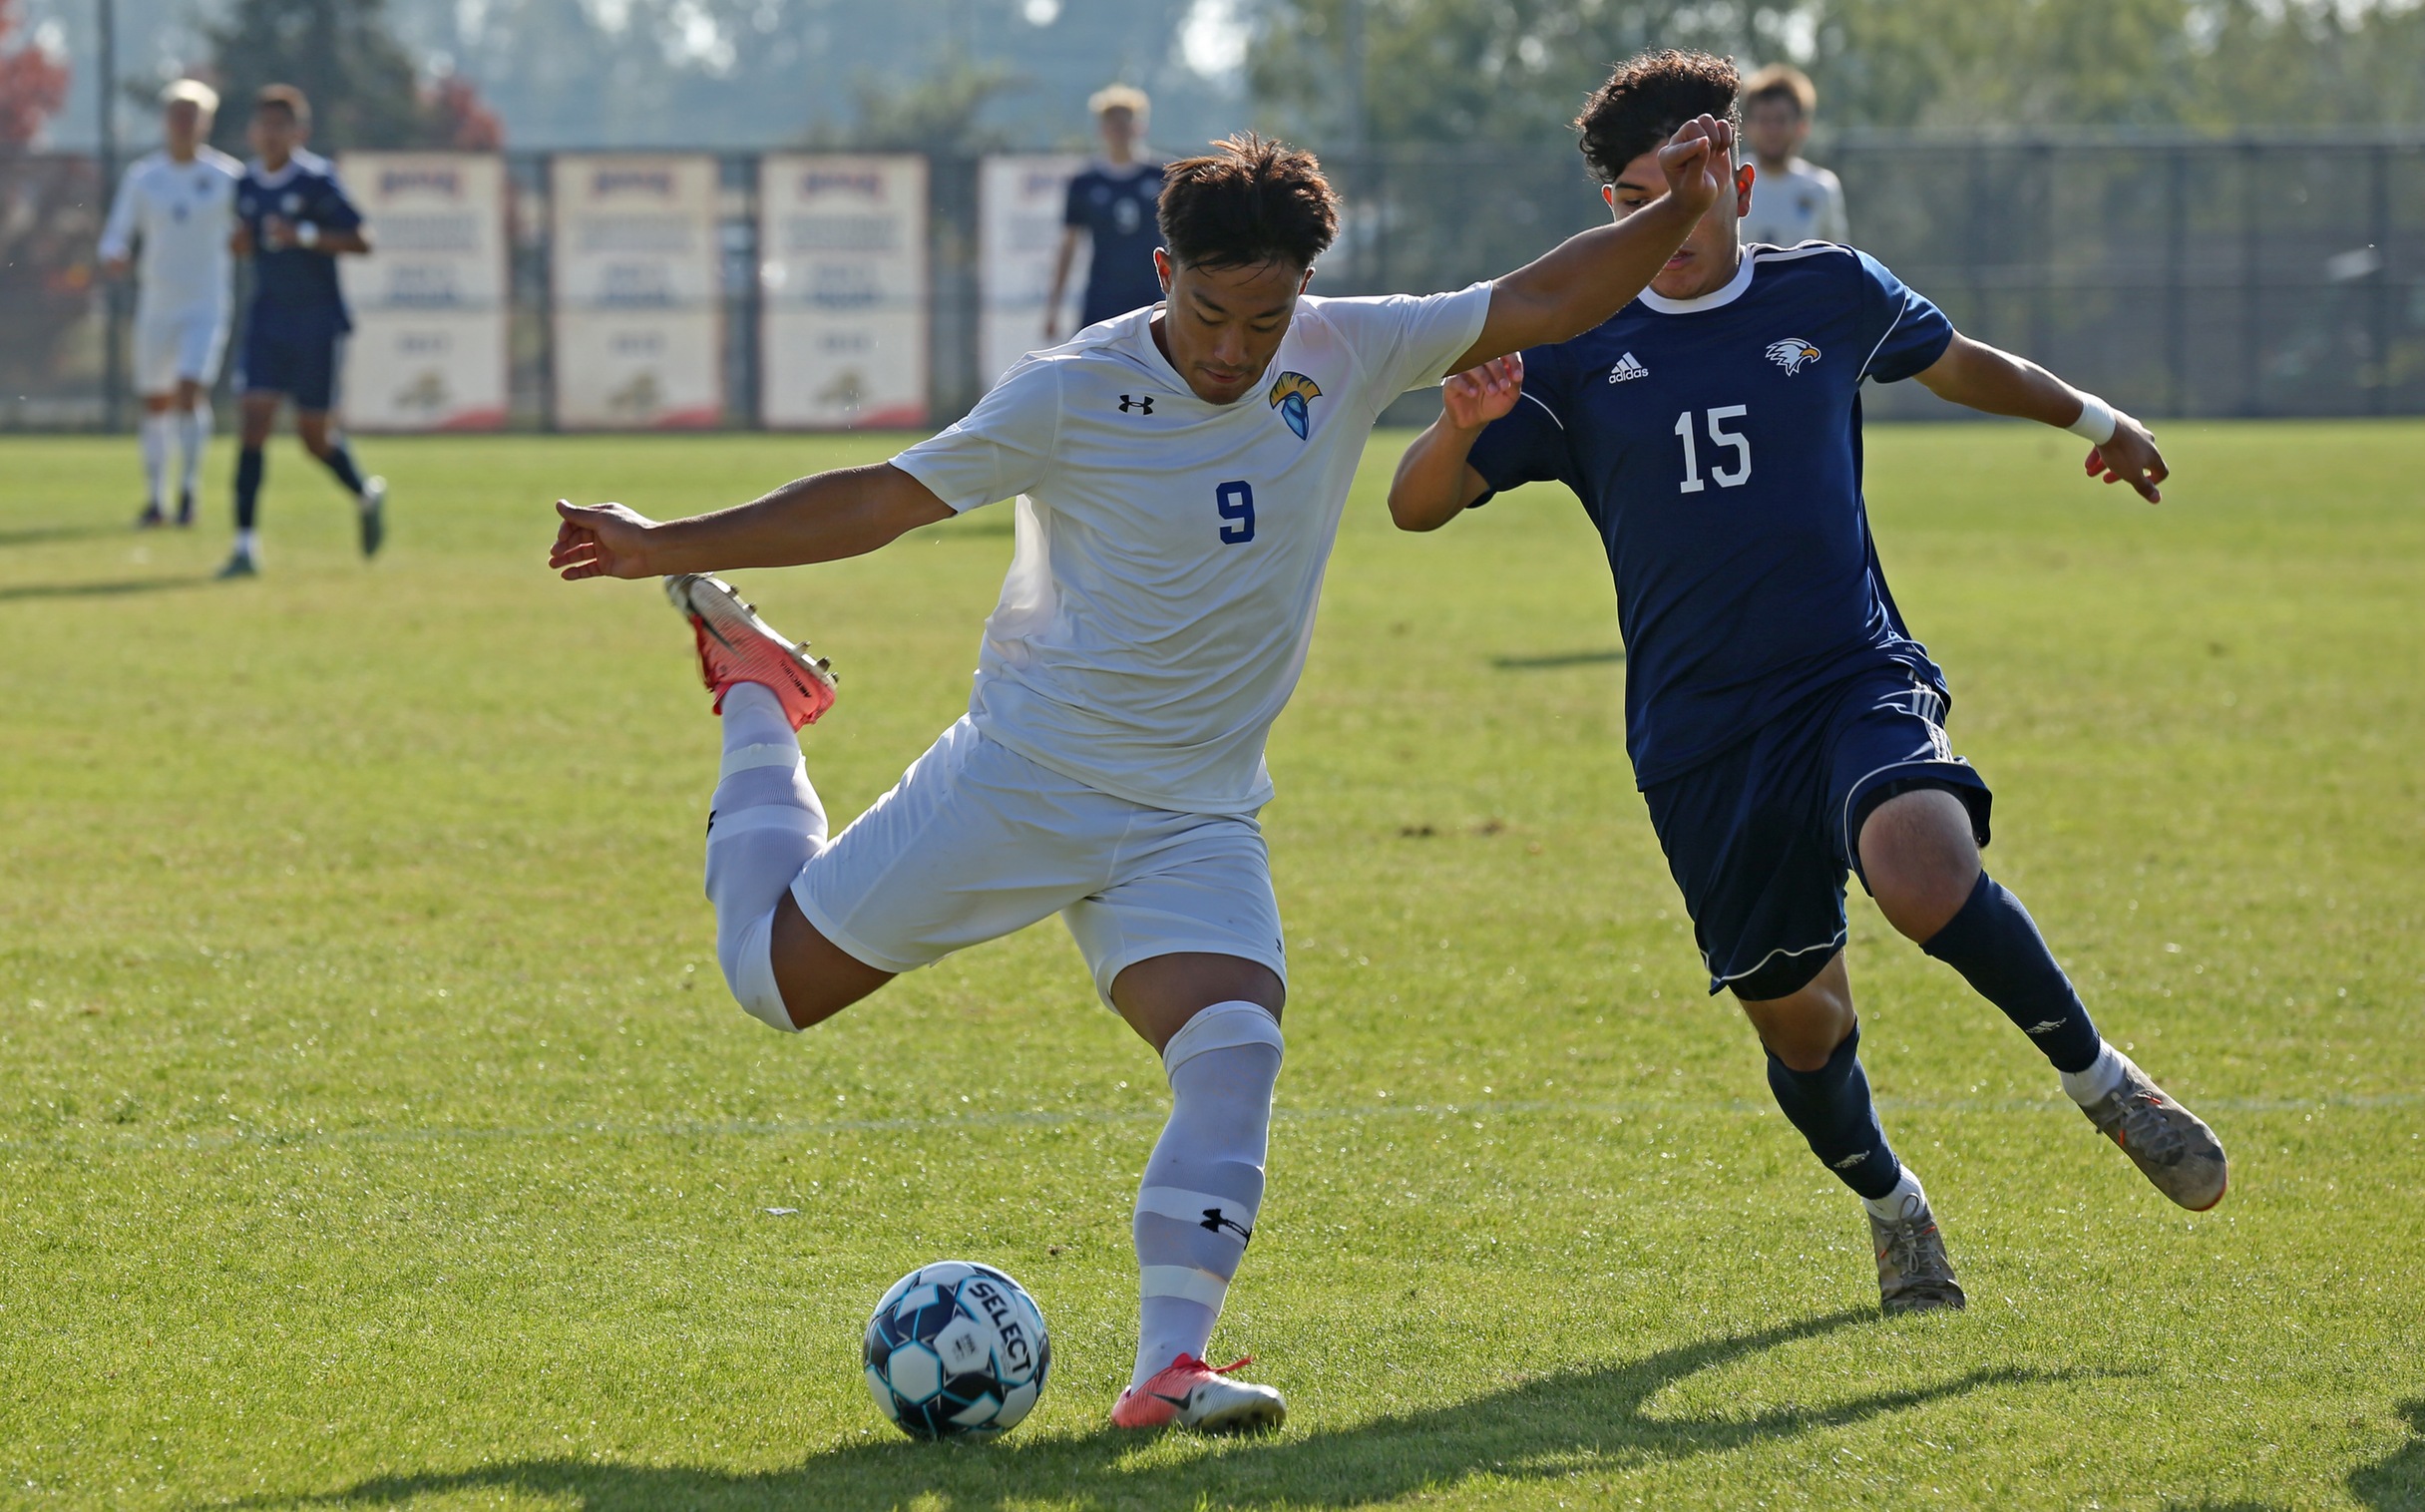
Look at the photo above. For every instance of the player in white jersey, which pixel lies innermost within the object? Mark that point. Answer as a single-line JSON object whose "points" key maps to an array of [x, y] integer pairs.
{"points": [[1180, 473], [177, 204], [1793, 199]]}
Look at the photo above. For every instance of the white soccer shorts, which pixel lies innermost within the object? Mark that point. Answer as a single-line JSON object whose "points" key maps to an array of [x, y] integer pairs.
{"points": [[176, 345], [976, 841]]}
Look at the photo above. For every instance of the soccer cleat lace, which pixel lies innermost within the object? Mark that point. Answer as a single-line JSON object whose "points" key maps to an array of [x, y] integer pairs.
{"points": [[1914, 1275], [2171, 1146], [735, 645], [1193, 1394], [371, 511]]}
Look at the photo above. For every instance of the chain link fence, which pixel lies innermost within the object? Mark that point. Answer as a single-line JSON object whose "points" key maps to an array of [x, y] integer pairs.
{"points": [[2276, 275]]}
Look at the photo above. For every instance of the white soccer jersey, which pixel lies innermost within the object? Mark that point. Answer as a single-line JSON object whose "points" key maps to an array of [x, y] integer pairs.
{"points": [[1803, 203], [1169, 552], [181, 212]]}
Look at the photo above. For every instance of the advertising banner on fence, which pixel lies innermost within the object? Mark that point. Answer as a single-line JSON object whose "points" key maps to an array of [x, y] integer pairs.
{"points": [[429, 304], [1019, 199], [843, 271], [636, 291]]}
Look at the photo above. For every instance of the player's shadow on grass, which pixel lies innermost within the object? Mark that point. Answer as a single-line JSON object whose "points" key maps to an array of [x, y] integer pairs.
{"points": [[1590, 1420], [2397, 1481], [110, 589], [1556, 660], [42, 535]]}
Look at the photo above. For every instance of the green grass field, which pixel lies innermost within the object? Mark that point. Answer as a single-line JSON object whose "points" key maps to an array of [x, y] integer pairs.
{"points": [[375, 1132]]}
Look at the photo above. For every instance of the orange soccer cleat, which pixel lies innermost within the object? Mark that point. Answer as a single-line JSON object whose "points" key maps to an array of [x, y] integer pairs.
{"points": [[735, 645], [1193, 1394]]}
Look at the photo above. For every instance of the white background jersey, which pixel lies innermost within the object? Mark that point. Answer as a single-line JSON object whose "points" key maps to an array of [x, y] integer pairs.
{"points": [[181, 214], [1803, 203], [1170, 551]]}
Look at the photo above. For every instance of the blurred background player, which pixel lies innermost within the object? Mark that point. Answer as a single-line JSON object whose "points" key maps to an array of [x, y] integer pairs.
{"points": [[1792, 200], [293, 221], [1111, 204], [176, 204]]}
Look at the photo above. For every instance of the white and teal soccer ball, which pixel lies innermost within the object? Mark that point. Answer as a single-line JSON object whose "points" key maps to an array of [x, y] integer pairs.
{"points": [[956, 1350]]}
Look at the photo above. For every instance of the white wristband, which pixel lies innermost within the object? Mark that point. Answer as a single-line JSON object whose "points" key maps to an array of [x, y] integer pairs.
{"points": [[2096, 424], [307, 235]]}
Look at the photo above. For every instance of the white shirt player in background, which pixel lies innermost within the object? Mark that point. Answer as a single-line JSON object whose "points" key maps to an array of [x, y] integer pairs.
{"points": [[173, 212], [1180, 473], [1792, 200]]}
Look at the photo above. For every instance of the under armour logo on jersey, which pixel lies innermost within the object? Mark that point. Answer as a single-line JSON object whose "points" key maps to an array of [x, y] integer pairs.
{"points": [[1216, 1223], [1627, 367], [1291, 394], [1144, 405], [1793, 354]]}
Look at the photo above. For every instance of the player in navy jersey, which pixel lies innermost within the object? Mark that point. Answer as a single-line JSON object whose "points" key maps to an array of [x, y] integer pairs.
{"points": [[1113, 205], [1786, 729], [293, 221]]}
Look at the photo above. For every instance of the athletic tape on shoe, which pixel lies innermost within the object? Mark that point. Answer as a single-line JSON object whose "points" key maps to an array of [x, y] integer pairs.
{"points": [[1185, 1282], [751, 758], [1204, 1210], [1223, 1026]]}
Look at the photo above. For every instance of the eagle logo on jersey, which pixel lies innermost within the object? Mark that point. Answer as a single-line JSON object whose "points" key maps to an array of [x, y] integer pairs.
{"points": [[1291, 393], [1793, 354]]}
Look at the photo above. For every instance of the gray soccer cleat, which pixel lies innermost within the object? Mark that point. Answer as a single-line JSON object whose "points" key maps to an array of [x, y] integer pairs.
{"points": [[240, 564], [2171, 1146], [371, 508], [1914, 1275]]}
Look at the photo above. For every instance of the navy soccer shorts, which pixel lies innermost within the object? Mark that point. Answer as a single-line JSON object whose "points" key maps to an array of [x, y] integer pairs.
{"points": [[1762, 837], [299, 359]]}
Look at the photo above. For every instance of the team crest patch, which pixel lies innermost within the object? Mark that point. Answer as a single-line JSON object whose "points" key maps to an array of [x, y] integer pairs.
{"points": [[1793, 354], [1291, 393]]}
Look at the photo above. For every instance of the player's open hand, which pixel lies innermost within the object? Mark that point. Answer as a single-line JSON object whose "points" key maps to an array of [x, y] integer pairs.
{"points": [[2130, 457], [1699, 161], [600, 540], [1479, 395]]}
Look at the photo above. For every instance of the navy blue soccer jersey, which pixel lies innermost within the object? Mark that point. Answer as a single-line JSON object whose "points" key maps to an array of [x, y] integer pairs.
{"points": [[295, 286], [1716, 443], [1116, 208]]}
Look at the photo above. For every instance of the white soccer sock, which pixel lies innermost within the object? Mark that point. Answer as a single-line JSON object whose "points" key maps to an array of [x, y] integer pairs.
{"points": [[154, 435], [1204, 1182], [249, 543], [1890, 1206], [764, 826], [2101, 1076], [194, 426]]}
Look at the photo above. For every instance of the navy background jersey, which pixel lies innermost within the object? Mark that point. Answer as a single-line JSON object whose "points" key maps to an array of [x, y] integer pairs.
{"points": [[1715, 442], [295, 285], [1116, 208]]}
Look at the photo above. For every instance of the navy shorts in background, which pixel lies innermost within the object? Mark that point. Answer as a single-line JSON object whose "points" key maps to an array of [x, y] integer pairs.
{"points": [[1761, 838], [297, 358]]}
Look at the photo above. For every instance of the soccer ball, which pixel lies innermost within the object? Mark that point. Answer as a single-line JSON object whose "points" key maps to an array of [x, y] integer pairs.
{"points": [[956, 1351]]}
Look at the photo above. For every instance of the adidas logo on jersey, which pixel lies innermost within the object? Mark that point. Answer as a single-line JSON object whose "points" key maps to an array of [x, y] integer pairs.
{"points": [[1627, 368]]}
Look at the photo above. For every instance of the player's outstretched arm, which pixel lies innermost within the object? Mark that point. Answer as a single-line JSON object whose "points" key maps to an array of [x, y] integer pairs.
{"points": [[1986, 378], [1590, 277], [844, 513], [1434, 483]]}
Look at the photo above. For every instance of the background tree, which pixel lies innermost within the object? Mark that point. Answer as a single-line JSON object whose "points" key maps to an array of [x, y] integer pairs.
{"points": [[33, 85], [364, 87]]}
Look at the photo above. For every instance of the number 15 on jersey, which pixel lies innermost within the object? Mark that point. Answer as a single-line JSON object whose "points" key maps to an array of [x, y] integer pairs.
{"points": [[1720, 439]]}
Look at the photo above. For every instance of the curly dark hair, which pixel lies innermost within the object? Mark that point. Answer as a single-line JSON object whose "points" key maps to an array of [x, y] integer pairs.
{"points": [[1646, 99], [1251, 201]]}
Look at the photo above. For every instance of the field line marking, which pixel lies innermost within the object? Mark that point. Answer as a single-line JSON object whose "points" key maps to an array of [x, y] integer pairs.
{"points": [[1036, 1118]]}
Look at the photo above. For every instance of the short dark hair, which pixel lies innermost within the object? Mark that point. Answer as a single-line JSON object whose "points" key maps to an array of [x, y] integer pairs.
{"points": [[1646, 99], [284, 97], [1250, 201]]}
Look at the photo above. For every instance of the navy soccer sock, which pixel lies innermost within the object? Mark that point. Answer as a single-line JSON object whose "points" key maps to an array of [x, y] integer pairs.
{"points": [[1832, 1109], [340, 461], [248, 467], [1996, 946]]}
